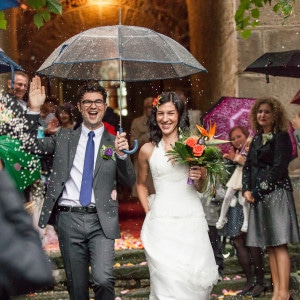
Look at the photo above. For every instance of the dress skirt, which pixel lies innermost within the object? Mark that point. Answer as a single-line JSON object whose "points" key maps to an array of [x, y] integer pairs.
{"points": [[273, 220], [235, 219]]}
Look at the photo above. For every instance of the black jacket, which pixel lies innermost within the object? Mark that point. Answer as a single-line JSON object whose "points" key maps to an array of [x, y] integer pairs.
{"points": [[266, 166]]}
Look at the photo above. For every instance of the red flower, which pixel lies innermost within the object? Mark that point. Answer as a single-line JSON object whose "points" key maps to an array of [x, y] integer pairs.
{"points": [[198, 150], [155, 102], [191, 142]]}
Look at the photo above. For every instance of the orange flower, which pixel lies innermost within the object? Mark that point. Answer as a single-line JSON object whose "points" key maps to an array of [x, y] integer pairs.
{"points": [[198, 150], [155, 102], [210, 133], [191, 142]]}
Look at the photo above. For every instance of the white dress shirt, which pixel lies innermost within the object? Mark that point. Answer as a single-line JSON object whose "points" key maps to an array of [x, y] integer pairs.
{"points": [[70, 195]]}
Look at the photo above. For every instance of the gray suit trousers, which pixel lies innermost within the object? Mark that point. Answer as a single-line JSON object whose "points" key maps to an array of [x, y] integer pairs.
{"points": [[83, 244]]}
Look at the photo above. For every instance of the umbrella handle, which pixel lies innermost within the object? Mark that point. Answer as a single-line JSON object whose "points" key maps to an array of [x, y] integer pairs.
{"points": [[135, 146]]}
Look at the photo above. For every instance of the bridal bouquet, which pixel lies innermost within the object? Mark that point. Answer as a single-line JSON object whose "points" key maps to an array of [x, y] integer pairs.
{"points": [[201, 149]]}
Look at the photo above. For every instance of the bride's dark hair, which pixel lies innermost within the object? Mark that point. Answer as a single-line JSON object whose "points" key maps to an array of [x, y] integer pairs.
{"points": [[183, 119]]}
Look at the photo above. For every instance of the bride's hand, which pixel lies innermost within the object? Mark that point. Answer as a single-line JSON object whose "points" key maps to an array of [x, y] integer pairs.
{"points": [[197, 173]]}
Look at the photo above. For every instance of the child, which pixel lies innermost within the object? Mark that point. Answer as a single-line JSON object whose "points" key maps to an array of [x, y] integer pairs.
{"points": [[233, 185]]}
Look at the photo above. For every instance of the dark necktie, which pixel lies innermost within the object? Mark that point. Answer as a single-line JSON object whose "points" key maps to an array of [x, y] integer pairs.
{"points": [[85, 196]]}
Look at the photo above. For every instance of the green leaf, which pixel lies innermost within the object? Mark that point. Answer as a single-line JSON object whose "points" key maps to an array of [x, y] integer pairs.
{"points": [[246, 33], [287, 10], [3, 24], [255, 23], [37, 4], [244, 4], [38, 20], [54, 6], [255, 13], [276, 8], [45, 15], [3, 21]]}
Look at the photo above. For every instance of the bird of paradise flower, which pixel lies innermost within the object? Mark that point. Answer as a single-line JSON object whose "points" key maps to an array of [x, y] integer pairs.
{"points": [[202, 150]]}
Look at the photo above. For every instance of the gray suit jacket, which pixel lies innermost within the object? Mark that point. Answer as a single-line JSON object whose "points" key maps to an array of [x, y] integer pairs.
{"points": [[63, 145]]}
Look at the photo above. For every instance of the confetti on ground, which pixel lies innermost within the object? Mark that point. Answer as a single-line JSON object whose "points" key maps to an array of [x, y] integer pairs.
{"points": [[127, 241]]}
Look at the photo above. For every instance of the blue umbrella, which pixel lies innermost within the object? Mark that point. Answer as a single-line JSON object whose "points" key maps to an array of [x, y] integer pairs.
{"points": [[8, 4], [8, 65]]}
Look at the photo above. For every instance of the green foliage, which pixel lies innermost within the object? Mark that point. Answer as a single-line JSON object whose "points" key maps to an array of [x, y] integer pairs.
{"points": [[2, 20], [248, 13], [43, 10]]}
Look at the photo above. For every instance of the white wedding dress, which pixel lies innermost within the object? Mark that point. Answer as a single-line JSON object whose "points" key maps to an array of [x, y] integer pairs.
{"points": [[175, 236]]}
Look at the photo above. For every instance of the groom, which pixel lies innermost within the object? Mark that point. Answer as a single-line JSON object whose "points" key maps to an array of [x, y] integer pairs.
{"points": [[86, 219]]}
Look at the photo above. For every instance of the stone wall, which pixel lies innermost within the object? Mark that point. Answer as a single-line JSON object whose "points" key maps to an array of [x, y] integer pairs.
{"points": [[272, 36]]}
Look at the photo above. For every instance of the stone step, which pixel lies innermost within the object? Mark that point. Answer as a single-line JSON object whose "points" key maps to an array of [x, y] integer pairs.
{"points": [[132, 276]]}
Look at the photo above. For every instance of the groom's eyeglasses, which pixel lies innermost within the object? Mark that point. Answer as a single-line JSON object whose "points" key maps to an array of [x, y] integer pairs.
{"points": [[88, 103]]}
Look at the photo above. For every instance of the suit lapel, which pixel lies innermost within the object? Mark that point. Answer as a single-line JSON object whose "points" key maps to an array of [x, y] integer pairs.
{"points": [[105, 140], [73, 141]]}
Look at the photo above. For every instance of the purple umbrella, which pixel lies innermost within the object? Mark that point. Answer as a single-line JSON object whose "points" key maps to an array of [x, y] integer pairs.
{"points": [[226, 113], [231, 111]]}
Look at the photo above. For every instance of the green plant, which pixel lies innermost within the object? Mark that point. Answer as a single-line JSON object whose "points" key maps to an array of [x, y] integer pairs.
{"points": [[248, 13], [42, 9]]}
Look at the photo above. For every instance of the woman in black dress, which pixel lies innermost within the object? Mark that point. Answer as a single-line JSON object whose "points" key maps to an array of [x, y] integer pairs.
{"points": [[266, 185]]}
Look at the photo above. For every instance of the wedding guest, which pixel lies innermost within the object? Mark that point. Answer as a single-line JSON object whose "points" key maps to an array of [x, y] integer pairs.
{"points": [[194, 114], [64, 116], [174, 232], [247, 256], [140, 131], [296, 126], [267, 187], [212, 212], [24, 265], [81, 200], [22, 115], [19, 90], [234, 186]]}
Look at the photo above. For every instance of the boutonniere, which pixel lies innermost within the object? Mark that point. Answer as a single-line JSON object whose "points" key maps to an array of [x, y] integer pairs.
{"points": [[108, 152], [266, 137]]}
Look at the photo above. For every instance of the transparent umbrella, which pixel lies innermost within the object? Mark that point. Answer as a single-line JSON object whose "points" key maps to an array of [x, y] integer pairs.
{"points": [[8, 65], [120, 53]]}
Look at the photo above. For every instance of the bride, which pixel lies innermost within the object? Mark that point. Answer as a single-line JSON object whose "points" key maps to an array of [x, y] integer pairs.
{"points": [[175, 232]]}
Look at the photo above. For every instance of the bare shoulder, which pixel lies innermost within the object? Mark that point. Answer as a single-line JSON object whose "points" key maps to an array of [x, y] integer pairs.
{"points": [[146, 150]]}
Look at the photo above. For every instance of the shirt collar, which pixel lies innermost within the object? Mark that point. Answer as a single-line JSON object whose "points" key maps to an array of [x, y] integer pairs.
{"points": [[98, 131]]}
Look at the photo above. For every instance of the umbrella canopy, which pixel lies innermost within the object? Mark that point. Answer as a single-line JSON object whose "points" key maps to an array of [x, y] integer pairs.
{"points": [[285, 64], [7, 64], [9, 4], [120, 53], [227, 113]]}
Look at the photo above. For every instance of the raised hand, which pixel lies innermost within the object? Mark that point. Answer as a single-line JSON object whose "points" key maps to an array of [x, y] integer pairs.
{"points": [[37, 94]]}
